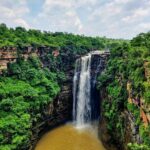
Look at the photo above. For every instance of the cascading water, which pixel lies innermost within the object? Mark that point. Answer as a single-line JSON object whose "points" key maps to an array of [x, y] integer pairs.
{"points": [[86, 102], [82, 90]]}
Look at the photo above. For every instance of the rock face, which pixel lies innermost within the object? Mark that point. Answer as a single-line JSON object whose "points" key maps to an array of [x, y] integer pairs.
{"points": [[131, 130], [10, 54], [7, 55], [131, 133], [98, 63], [103, 132]]}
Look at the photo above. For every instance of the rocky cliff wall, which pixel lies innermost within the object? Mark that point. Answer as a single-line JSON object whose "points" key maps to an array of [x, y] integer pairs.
{"points": [[10, 54], [7, 55], [131, 126], [98, 64]]}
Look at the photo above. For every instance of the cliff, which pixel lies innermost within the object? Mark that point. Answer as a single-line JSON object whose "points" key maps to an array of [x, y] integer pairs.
{"points": [[7, 55], [10, 54], [56, 111], [131, 120], [60, 110], [55, 114]]}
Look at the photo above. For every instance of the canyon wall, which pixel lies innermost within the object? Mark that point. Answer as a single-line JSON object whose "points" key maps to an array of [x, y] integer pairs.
{"points": [[131, 129], [57, 112], [10, 54], [60, 110]]}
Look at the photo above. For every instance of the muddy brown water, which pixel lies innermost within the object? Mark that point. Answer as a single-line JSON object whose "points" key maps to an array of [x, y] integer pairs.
{"points": [[68, 137]]}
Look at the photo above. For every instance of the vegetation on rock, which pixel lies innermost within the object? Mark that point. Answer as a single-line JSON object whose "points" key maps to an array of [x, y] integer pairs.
{"points": [[126, 65]]}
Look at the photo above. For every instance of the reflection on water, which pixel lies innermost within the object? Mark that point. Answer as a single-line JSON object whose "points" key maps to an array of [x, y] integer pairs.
{"points": [[69, 138]]}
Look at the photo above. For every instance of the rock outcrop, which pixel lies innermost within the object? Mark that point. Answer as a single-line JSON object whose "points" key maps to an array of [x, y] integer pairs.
{"points": [[10, 54], [7, 55]]}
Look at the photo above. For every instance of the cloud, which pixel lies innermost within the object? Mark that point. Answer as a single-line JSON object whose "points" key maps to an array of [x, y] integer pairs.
{"points": [[111, 18], [137, 14], [83, 3], [60, 15], [21, 22], [13, 12], [105, 11], [119, 18]]}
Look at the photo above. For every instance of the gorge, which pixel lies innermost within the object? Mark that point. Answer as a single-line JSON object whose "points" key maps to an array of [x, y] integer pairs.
{"points": [[49, 79], [82, 133]]}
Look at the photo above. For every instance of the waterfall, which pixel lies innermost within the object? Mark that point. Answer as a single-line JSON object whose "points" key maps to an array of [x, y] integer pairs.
{"points": [[82, 91], [86, 99]]}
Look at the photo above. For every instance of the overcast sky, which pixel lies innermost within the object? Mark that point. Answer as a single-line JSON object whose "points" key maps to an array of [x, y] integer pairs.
{"points": [[110, 18]]}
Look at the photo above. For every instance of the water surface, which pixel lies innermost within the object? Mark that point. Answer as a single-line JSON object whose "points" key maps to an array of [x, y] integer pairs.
{"points": [[67, 137]]}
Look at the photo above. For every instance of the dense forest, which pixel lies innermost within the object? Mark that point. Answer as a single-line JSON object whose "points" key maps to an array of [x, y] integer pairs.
{"points": [[26, 87], [21, 37]]}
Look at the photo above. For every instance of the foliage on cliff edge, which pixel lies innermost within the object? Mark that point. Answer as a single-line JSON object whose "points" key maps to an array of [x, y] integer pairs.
{"points": [[126, 65]]}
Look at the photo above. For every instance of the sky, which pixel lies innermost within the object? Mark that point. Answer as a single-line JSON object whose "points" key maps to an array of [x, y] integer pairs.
{"points": [[110, 18]]}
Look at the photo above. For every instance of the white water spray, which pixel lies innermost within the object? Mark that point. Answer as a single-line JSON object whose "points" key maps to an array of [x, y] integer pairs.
{"points": [[82, 91]]}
